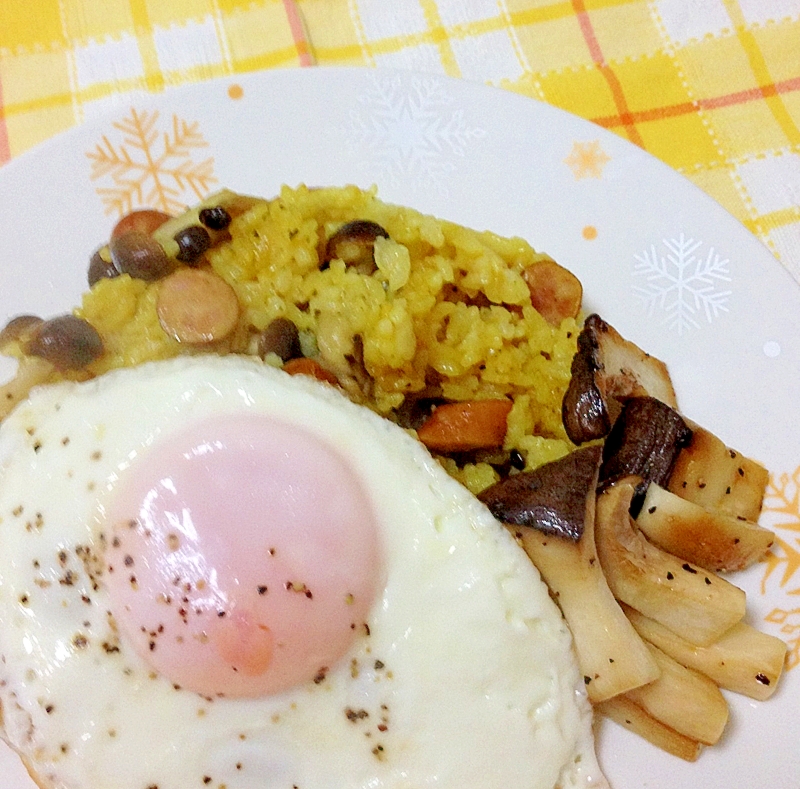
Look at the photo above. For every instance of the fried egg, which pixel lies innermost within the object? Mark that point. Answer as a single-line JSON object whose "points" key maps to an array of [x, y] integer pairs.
{"points": [[213, 574]]}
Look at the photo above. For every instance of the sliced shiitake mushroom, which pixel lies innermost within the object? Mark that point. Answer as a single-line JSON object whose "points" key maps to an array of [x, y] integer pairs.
{"points": [[354, 244], [606, 370]]}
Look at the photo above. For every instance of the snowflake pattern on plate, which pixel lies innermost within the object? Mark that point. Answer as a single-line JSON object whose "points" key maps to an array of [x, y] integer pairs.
{"points": [[683, 282], [150, 167], [587, 160], [782, 564], [410, 130]]}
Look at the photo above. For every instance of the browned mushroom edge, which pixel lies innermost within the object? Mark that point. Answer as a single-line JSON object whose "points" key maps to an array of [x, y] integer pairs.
{"points": [[555, 498], [606, 370], [645, 442]]}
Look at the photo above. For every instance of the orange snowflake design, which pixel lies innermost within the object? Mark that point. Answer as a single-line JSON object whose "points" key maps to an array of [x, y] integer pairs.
{"points": [[782, 505], [587, 160], [150, 167]]}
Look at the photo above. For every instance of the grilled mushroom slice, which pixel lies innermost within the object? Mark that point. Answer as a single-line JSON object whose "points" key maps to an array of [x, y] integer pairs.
{"points": [[694, 603], [553, 498], [711, 474], [645, 442], [612, 656], [634, 718], [683, 699], [606, 370], [743, 659], [708, 538]]}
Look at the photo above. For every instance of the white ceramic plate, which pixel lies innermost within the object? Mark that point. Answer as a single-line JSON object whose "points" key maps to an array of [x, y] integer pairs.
{"points": [[658, 259]]}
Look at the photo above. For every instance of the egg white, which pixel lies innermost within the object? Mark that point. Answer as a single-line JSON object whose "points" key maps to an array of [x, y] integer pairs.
{"points": [[463, 676]]}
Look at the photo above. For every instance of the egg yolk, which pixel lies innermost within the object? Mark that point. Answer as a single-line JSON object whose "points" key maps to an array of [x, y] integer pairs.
{"points": [[243, 556]]}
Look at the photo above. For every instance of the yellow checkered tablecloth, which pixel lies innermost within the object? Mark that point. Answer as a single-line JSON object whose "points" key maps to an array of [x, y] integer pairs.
{"points": [[711, 87]]}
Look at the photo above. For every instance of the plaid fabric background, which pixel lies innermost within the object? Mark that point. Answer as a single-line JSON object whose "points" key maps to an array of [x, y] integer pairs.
{"points": [[711, 87]]}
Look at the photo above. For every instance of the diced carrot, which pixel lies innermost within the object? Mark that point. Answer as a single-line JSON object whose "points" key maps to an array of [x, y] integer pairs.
{"points": [[555, 292], [304, 366], [459, 427]]}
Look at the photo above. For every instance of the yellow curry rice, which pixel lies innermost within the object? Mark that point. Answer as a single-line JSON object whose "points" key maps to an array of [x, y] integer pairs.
{"points": [[447, 310]]}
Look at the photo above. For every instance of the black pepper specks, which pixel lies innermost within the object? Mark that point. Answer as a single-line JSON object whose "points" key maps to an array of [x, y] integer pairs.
{"points": [[319, 678], [689, 569], [300, 588]]}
